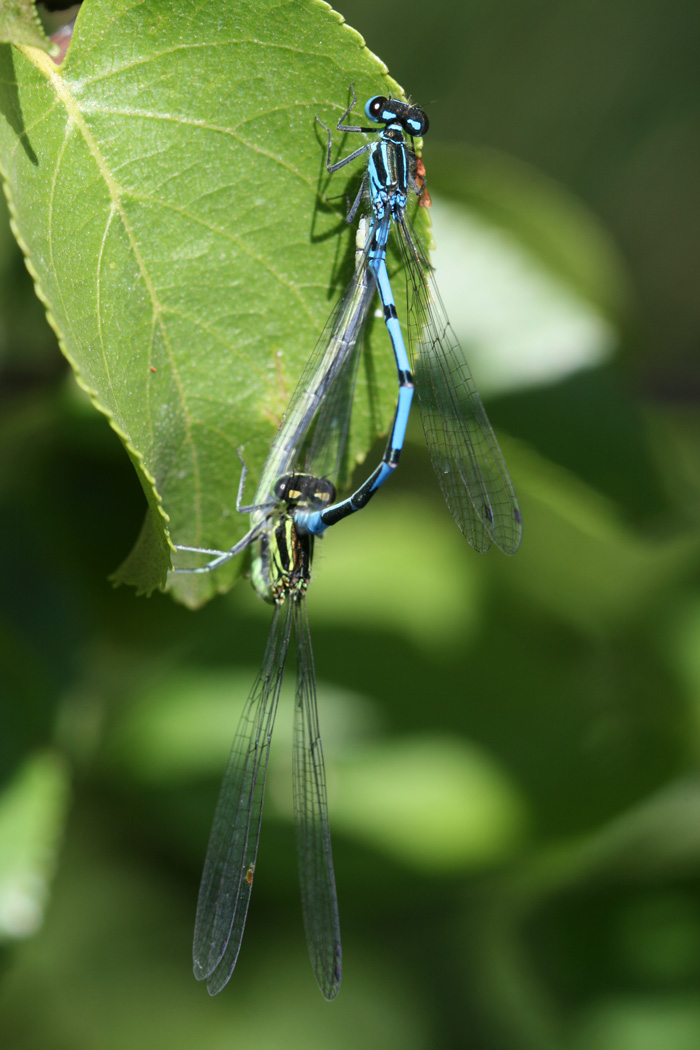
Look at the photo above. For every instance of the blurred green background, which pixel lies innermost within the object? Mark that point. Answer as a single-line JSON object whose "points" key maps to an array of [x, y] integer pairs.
{"points": [[512, 744]]}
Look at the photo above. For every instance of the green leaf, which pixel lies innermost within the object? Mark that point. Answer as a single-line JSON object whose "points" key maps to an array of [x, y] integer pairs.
{"points": [[444, 584], [581, 561], [168, 188], [522, 324], [550, 225], [534, 286], [180, 727], [19, 24], [435, 803], [32, 813]]}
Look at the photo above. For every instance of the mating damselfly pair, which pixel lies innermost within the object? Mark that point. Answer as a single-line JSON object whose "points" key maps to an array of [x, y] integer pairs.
{"points": [[295, 501]]}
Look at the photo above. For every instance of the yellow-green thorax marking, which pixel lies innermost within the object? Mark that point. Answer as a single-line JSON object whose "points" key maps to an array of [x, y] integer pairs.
{"points": [[283, 554]]}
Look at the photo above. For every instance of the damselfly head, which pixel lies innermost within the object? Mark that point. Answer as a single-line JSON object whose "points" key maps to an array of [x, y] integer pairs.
{"points": [[304, 490], [383, 110]]}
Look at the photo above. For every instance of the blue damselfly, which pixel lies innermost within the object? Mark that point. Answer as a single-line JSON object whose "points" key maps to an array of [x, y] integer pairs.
{"points": [[463, 447]]}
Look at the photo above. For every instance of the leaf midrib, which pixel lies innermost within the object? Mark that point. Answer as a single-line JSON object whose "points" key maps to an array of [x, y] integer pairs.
{"points": [[46, 68]]}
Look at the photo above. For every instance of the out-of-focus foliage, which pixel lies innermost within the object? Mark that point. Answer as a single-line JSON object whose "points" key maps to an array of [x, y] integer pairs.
{"points": [[512, 744]]}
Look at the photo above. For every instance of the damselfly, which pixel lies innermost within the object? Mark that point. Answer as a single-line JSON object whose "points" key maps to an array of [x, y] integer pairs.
{"points": [[462, 445], [280, 572], [318, 420]]}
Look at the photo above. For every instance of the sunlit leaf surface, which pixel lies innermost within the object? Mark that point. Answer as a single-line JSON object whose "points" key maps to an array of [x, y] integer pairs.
{"points": [[168, 188]]}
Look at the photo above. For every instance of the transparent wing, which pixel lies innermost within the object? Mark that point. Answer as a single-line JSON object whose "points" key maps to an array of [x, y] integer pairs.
{"points": [[224, 893], [325, 452], [463, 447], [326, 386], [318, 896], [324, 449]]}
